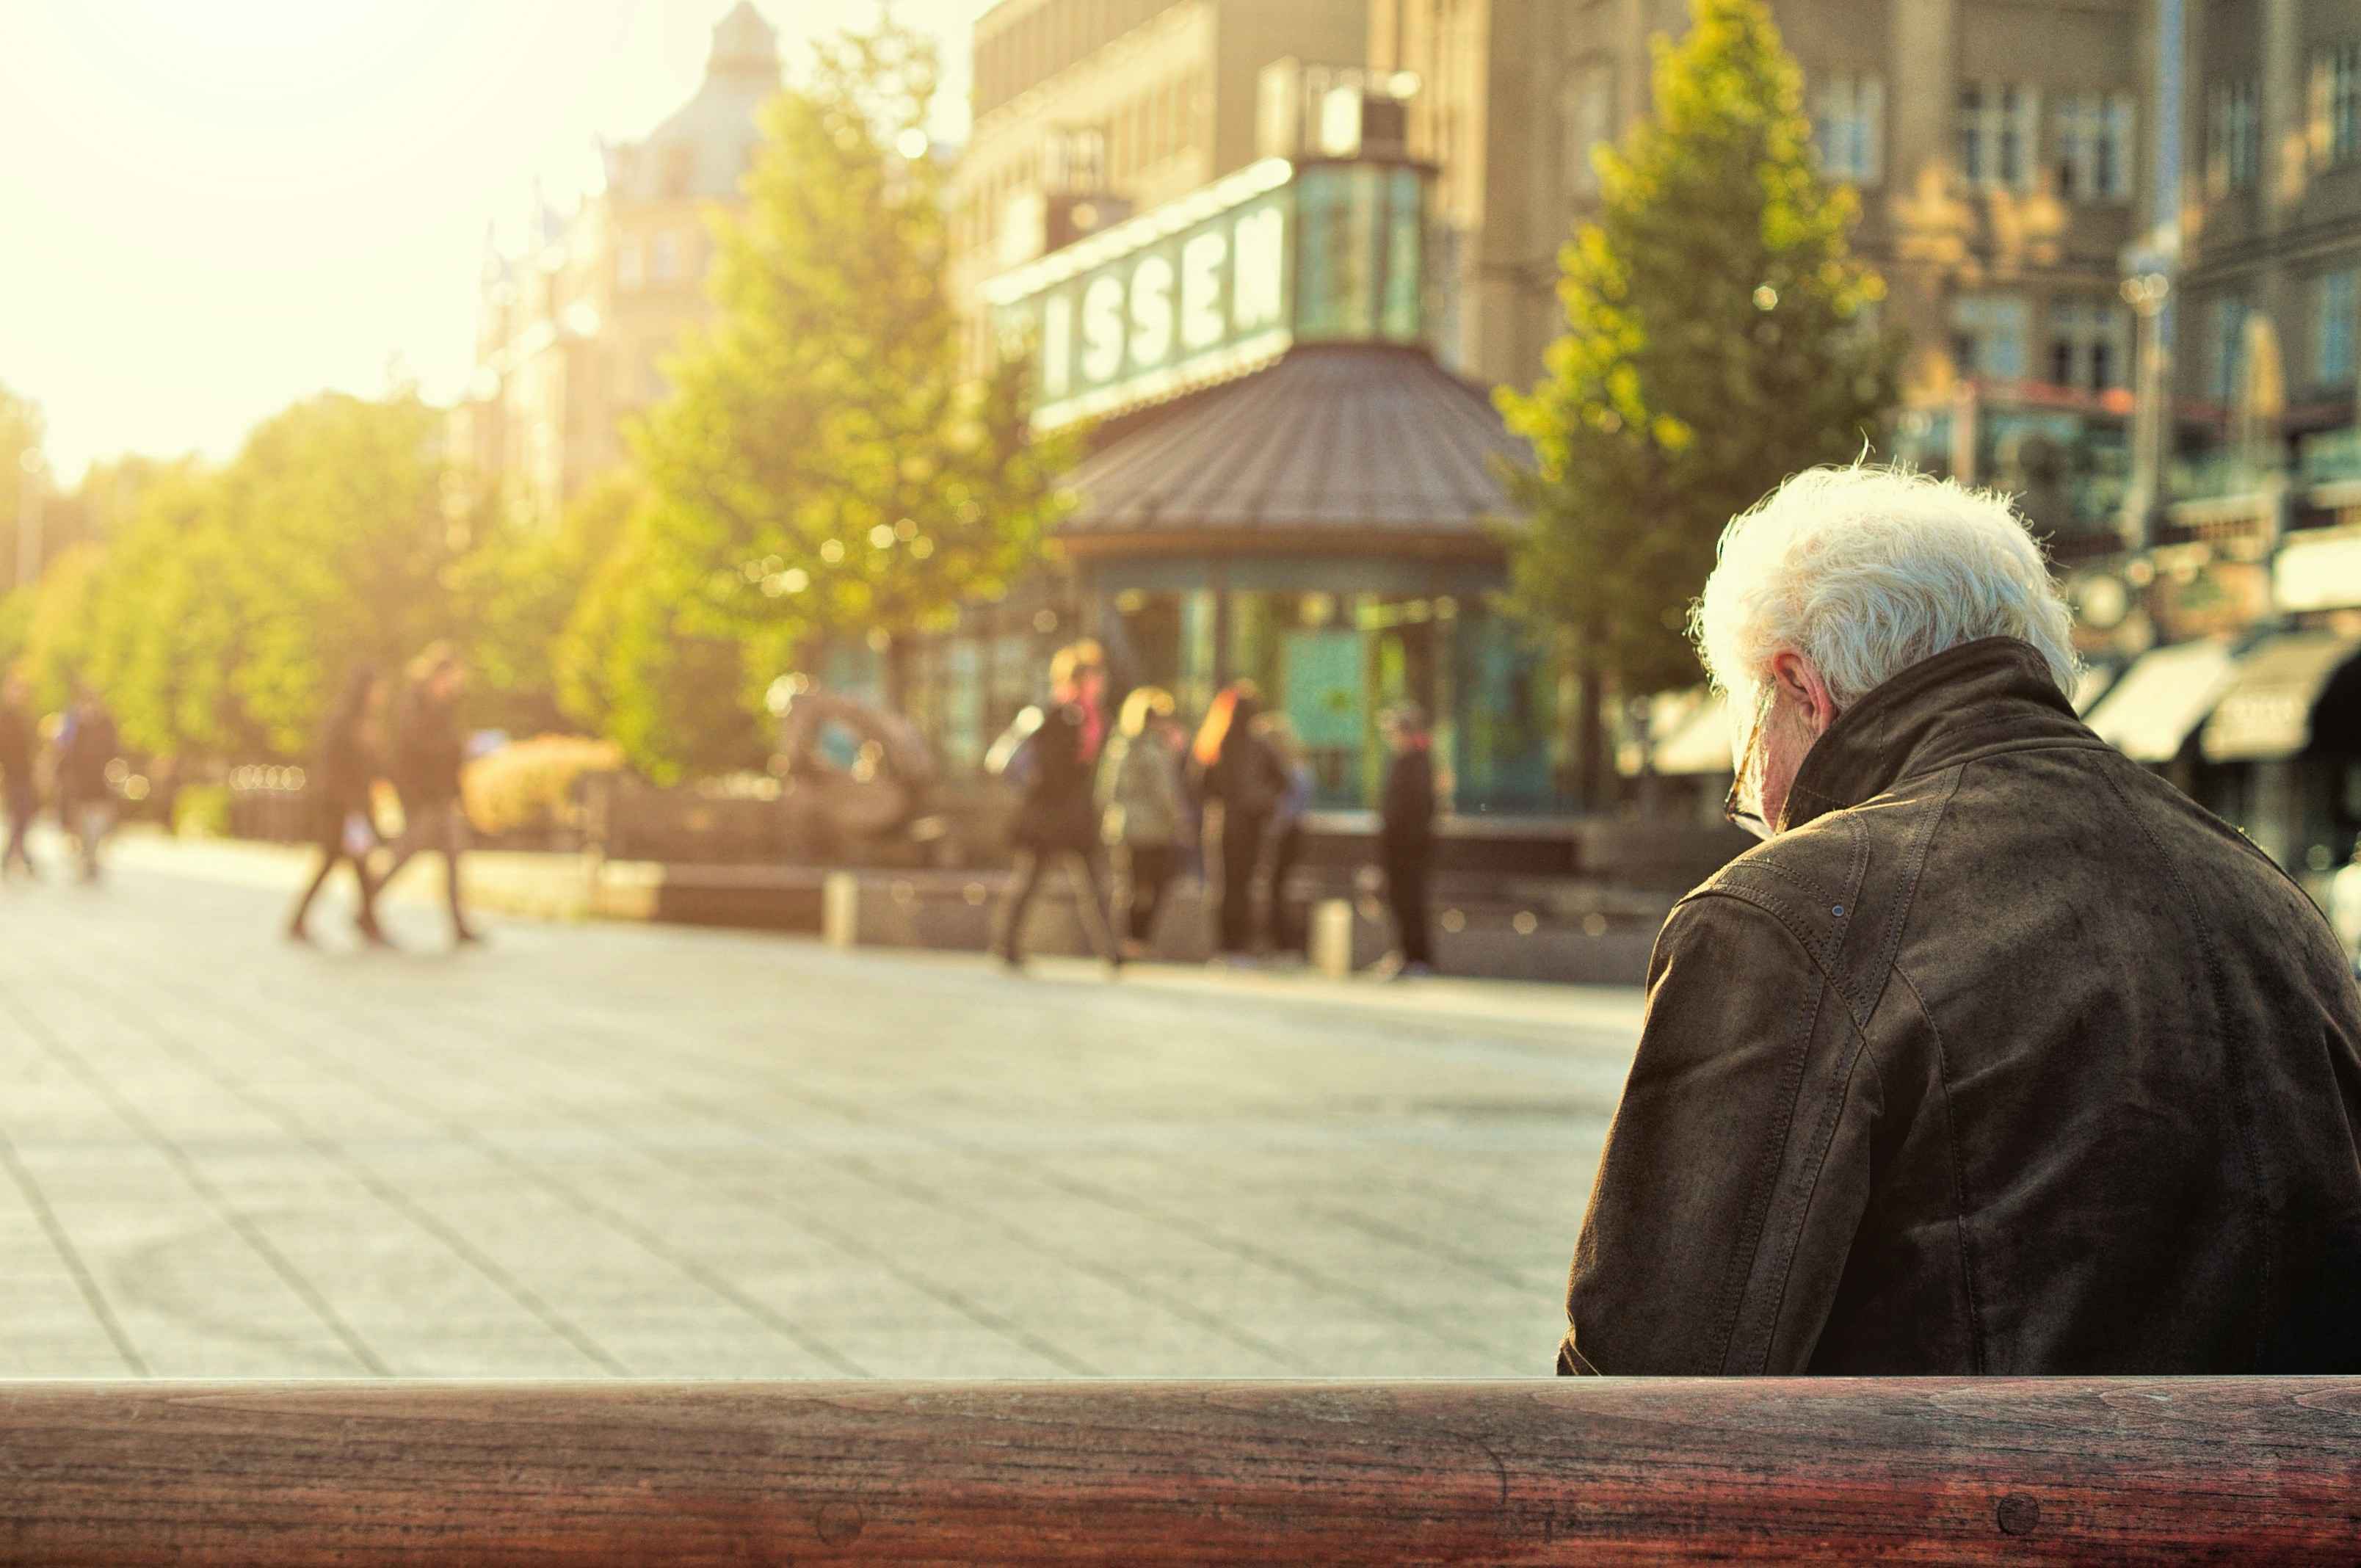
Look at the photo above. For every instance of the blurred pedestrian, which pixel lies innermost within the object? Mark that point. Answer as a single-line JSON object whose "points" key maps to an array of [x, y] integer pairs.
{"points": [[342, 776], [1406, 839], [1048, 755], [19, 739], [1143, 809], [87, 744], [1286, 833], [1242, 784], [429, 750]]}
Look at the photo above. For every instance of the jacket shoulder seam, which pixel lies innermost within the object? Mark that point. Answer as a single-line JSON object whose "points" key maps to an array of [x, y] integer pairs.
{"points": [[1977, 1351]]}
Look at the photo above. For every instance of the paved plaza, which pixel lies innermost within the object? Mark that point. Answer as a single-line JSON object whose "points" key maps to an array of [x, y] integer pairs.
{"points": [[613, 1150]]}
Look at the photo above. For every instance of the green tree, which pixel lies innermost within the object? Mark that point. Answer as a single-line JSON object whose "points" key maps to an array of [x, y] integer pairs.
{"points": [[629, 666], [1718, 337], [20, 439], [344, 545], [824, 466], [519, 585], [59, 630]]}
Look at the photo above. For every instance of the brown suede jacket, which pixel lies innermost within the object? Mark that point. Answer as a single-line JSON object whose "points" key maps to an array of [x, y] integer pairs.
{"points": [[2002, 1056]]}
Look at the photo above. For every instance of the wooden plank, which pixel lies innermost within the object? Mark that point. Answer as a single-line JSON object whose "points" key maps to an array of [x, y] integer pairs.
{"points": [[2128, 1470]]}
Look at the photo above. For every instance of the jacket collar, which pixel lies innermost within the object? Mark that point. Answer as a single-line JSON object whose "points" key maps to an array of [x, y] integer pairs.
{"points": [[1937, 712]]}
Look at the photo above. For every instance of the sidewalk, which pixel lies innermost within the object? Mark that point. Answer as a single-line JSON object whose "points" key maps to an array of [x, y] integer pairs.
{"points": [[557, 888], [614, 1149]]}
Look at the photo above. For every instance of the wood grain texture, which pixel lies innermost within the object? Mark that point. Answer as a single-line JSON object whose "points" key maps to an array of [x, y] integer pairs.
{"points": [[1994, 1470]]}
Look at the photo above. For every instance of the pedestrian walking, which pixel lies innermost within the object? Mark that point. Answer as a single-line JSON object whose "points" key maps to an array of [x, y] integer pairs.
{"points": [[1242, 784], [1287, 925], [87, 744], [343, 824], [1048, 754], [1143, 809], [19, 793], [1406, 839], [429, 750], [1999, 1055]]}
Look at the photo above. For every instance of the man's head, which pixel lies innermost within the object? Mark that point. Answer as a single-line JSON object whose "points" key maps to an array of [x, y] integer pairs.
{"points": [[1841, 579], [1078, 672], [439, 672], [1403, 726]]}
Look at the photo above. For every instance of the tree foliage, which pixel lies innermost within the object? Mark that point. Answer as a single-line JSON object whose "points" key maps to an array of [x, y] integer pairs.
{"points": [[824, 466], [628, 663], [1719, 337]]}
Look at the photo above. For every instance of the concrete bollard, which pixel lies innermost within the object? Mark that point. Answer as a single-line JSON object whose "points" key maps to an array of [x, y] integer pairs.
{"points": [[839, 910], [1332, 938]]}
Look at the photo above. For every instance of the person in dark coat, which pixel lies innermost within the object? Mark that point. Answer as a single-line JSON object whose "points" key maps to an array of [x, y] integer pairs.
{"points": [[1241, 783], [1406, 839], [1051, 754], [86, 745], [429, 749], [1999, 1055], [19, 739], [338, 789]]}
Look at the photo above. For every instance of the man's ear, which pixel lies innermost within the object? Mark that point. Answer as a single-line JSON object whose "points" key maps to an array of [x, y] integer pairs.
{"points": [[1798, 682]]}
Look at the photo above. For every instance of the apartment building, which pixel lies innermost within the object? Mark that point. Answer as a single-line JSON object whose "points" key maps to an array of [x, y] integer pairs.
{"points": [[1997, 146], [575, 321]]}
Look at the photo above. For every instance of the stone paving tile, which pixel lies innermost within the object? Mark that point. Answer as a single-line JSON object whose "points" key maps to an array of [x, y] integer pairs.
{"points": [[661, 1153]]}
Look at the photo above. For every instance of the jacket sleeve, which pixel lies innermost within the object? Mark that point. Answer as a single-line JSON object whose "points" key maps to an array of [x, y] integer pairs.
{"points": [[1735, 1171]]}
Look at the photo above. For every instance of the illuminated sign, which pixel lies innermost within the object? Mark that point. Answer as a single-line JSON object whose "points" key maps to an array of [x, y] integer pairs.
{"points": [[1221, 282]]}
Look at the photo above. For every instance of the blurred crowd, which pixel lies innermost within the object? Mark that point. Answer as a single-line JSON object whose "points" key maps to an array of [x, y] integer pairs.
{"points": [[1127, 804]]}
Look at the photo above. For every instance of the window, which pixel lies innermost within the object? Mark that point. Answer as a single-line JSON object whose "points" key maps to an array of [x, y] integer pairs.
{"points": [[2234, 144], [1999, 135], [1989, 333], [665, 262], [2337, 318], [2336, 104], [2226, 347], [679, 169], [1849, 127], [2094, 146], [2087, 338], [1586, 114]]}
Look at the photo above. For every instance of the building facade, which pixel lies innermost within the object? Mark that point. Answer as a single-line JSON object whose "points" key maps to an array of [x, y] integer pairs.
{"points": [[2234, 617], [1086, 111], [574, 323], [1996, 145]]}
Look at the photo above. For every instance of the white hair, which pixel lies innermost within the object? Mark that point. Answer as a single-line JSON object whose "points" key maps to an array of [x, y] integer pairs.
{"points": [[1866, 570]]}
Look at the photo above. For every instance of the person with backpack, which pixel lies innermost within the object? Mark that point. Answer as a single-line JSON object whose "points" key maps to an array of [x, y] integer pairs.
{"points": [[86, 745], [338, 789], [19, 740], [428, 754], [1048, 755]]}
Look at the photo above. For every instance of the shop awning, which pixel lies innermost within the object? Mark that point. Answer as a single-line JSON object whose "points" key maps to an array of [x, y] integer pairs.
{"points": [[1356, 442], [2267, 712], [2150, 713]]}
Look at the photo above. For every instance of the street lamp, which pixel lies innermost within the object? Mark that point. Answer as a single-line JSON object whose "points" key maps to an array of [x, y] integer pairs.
{"points": [[2147, 290], [28, 516]]}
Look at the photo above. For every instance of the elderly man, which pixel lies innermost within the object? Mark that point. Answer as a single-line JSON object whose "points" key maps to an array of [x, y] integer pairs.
{"points": [[2000, 1055]]}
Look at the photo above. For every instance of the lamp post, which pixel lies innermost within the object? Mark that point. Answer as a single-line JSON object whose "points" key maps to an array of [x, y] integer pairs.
{"points": [[28, 517], [2145, 290]]}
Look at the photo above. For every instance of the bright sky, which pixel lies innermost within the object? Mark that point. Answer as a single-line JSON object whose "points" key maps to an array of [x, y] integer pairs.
{"points": [[210, 208]]}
